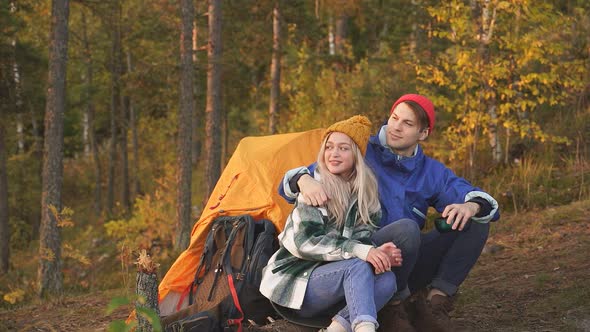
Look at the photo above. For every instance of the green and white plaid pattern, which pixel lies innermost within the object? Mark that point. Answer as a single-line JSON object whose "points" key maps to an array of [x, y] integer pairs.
{"points": [[308, 240]]}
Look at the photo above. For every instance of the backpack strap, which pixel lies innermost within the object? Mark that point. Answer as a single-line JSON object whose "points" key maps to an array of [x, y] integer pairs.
{"points": [[215, 239], [234, 295]]}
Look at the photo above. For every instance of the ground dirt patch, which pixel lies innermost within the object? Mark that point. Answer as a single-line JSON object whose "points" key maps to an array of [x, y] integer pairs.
{"points": [[533, 276]]}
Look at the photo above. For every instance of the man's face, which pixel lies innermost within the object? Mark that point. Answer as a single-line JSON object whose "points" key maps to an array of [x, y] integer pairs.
{"points": [[403, 131]]}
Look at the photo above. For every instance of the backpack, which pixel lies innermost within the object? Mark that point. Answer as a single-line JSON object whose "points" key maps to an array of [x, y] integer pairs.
{"points": [[225, 290]]}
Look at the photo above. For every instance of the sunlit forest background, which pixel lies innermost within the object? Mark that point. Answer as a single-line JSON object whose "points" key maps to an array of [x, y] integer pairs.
{"points": [[510, 81]]}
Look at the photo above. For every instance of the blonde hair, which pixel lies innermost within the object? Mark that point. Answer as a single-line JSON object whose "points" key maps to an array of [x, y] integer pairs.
{"points": [[361, 183]]}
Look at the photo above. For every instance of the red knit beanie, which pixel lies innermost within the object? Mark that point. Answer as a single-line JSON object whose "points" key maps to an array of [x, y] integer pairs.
{"points": [[424, 102]]}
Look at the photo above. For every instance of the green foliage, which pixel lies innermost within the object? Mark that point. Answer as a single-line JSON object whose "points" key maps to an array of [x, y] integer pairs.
{"points": [[152, 224], [24, 197], [120, 325], [21, 234]]}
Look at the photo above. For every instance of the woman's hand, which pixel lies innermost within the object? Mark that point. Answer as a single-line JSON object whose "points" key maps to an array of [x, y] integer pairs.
{"points": [[379, 260], [384, 257]]}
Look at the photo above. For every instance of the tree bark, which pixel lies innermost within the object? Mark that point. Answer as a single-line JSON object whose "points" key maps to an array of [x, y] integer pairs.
{"points": [[186, 109], [341, 33], [486, 31], [213, 109], [275, 71], [50, 274], [4, 226], [115, 103], [89, 116], [125, 193], [134, 142], [20, 134], [87, 94], [197, 114], [20, 131], [123, 121], [146, 283]]}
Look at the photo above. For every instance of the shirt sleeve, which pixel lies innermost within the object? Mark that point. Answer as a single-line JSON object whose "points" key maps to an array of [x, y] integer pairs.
{"points": [[286, 188], [310, 238]]}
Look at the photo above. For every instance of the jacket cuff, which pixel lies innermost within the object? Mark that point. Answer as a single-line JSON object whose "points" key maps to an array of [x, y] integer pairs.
{"points": [[289, 191], [476, 196]]}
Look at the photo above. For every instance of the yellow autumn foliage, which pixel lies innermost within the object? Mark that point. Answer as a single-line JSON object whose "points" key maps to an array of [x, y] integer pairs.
{"points": [[15, 296]]}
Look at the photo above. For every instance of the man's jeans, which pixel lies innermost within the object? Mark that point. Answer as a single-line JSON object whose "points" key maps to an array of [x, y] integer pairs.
{"points": [[442, 261], [405, 234], [352, 281]]}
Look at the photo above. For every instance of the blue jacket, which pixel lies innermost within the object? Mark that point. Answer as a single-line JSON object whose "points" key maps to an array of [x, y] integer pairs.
{"points": [[409, 185]]}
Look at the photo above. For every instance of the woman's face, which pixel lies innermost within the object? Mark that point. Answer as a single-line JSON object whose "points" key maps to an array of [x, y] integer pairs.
{"points": [[338, 154]]}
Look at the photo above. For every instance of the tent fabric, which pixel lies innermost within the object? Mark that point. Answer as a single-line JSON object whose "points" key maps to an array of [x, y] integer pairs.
{"points": [[248, 185]]}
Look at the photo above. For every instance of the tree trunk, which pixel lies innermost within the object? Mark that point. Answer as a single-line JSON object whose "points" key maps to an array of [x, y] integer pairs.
{"points": [[486, 30], [197, 114], [20, 134], [331, 44], [89, 116], [125, 196], [213, 109], [341, 34], [50, 274], [146, 283], [4, 226], [134, 143], [115, 103], [20, 131], [87, 94], [275, 71], [186, 109]]}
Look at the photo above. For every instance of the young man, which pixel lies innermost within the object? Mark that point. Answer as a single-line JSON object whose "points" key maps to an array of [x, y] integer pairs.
{"points": [[410, 183]]}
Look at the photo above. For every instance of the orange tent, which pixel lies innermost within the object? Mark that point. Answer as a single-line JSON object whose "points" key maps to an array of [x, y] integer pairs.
{"points": [[248, 185]]}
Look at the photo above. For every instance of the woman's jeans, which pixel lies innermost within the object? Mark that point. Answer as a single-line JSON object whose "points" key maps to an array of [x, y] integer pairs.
{"points": [[352, 281], [441, 261]]}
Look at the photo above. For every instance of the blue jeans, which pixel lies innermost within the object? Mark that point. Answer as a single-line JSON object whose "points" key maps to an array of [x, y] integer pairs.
{"points": [[353, 283], [405, 234], [444, 260]]}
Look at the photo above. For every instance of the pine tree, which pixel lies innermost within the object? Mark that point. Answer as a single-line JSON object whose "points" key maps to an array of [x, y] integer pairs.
{"points": [[50, 274]]}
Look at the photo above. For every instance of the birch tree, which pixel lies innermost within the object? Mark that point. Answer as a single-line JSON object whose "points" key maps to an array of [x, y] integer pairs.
{"points": [[275, 70], [503, 60]]}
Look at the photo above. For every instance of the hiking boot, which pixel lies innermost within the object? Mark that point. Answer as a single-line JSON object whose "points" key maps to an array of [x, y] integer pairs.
{"points": [[433, 315], [393, 317]]}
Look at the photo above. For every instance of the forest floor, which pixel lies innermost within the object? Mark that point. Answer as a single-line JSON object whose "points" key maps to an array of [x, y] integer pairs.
{"points": [[534, 275]]}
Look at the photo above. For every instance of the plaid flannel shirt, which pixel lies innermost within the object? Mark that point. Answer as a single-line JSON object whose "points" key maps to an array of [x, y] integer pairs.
{"points": [[308, 240]]}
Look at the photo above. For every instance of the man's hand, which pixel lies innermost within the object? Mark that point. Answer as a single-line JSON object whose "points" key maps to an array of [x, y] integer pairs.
{"points": [[384, 257], [459, 214], [393, 252], [312, 191]]}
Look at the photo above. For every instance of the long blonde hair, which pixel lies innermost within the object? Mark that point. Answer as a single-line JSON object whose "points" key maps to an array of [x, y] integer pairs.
{"points": [[361, 184]]}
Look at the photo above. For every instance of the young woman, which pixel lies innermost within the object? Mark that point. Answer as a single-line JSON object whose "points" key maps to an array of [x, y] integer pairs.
{"points": [[326, 258]]}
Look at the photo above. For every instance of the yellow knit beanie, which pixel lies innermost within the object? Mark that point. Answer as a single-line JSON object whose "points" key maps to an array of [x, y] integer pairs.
{"points": [[358, 128]]}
